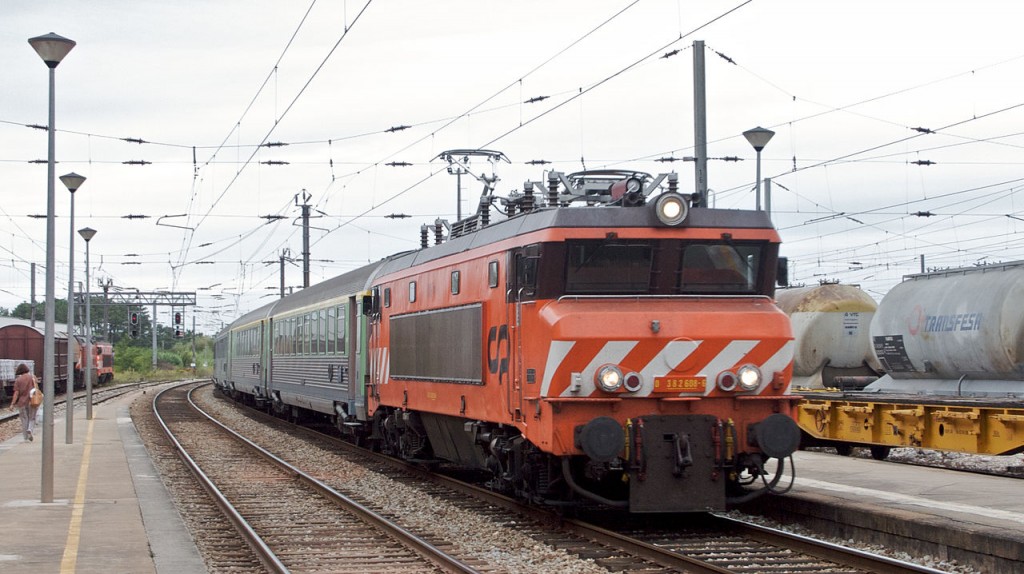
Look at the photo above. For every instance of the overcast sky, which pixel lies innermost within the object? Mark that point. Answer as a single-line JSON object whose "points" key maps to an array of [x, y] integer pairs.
{"points": [[203, 83]]}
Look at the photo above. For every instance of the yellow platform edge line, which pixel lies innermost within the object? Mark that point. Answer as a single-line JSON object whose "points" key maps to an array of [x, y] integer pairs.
{"points": [[70, 560]]}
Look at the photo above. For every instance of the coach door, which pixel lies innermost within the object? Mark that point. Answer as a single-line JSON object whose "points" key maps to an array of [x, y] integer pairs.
{"points": [[266, 357], [522, 280]]}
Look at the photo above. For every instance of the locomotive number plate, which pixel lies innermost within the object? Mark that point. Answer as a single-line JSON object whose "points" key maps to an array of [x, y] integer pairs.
{"points": [[679, 384]]}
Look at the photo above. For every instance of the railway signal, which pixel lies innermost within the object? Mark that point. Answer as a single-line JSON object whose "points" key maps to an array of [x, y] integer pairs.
{"points": [[134, 319], [178, 332]]}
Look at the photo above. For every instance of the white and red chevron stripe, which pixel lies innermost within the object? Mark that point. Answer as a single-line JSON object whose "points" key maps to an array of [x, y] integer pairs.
{"points": [[660, 359]]}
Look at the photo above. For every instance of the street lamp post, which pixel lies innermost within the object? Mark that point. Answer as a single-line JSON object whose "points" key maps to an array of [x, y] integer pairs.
{"points": [[52, 49], [72, 181], [89, 359], [758, 138]]}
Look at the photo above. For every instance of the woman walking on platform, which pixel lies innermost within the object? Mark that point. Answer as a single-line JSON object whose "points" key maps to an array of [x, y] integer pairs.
{"points": [[24, 386]]}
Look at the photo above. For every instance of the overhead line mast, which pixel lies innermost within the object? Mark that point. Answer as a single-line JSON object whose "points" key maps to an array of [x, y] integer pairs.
{"points": [[700, 127]]}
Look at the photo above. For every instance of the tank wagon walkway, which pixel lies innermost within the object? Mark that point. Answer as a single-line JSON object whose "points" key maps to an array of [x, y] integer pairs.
{"points": [[110, 512]]}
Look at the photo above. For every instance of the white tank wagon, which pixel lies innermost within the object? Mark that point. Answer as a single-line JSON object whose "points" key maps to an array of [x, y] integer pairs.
{"points": [[831, 326], [958, 332]]}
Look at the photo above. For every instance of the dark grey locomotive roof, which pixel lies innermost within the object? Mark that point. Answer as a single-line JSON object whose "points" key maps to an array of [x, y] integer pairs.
{"points": [[596, 216]]}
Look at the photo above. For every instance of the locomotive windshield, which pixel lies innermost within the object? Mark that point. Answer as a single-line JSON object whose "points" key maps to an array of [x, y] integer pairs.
{"points": [[615, 266], [715, 267], [597, 267]]}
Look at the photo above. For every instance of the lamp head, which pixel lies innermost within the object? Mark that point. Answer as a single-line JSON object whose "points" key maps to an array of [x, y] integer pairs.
{"points": [[87, 233], [51, 48], [758, 137], [72, 181]]}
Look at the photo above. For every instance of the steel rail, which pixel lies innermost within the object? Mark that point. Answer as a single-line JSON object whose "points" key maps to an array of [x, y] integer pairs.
{"points": [[259, 547], [422, 547], [870, 562]]}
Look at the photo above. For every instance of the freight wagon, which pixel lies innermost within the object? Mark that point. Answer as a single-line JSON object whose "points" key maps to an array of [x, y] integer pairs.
{"points": [[20, 341]]}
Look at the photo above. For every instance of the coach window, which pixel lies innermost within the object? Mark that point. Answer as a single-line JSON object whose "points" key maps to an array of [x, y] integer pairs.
{"points": [[455, 283], [412, 291], [321, 332], [311, 333], [387, 296], [492, 273], [321, 347], [296, 329], [303, 334], [340, 330], [332, 325], [317, 333], [286, 337], [290, 336]]}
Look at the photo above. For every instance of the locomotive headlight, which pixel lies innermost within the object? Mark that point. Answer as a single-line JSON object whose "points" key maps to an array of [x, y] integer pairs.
{"points": [[749, 377], [608, 378], [671, 208]]}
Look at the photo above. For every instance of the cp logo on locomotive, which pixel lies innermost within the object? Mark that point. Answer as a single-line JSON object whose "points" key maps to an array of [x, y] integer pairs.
{"points": [[498, 352]]}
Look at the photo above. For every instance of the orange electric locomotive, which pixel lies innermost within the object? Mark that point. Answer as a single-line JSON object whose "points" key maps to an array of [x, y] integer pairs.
{"points": [[609, 340]]}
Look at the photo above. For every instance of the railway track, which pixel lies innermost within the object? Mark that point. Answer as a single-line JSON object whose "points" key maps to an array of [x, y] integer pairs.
{"points": [[710, 544], [292, 521], [734, 546], [99, 395]]}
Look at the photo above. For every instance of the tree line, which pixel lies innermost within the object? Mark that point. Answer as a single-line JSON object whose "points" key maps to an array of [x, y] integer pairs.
{"points": [[111, 323]]}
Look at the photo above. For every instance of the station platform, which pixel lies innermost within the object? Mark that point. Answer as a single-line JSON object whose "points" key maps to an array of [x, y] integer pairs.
{"points": [[974, 519], [110, 512]]}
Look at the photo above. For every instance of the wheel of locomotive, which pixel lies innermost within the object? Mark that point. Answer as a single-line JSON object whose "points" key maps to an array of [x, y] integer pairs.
{"points": [[844, 449], [880, 452], [382, 435]]}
